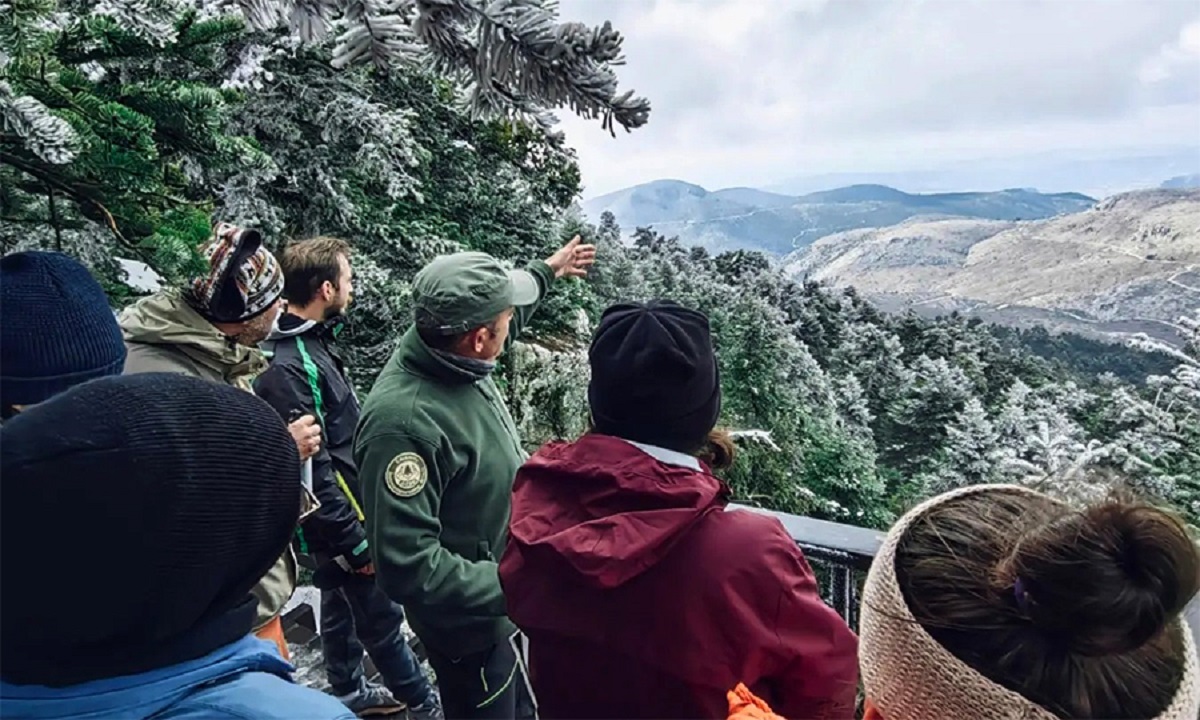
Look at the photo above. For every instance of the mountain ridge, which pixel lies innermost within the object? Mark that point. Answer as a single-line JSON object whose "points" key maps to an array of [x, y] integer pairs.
{"points": [[1099, 175], [1130, 263], [751, 219]]}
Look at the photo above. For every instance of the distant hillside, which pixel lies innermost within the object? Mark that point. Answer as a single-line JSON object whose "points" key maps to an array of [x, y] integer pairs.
{"points": [[749, 219], [1183, 181], [1130, 264]]}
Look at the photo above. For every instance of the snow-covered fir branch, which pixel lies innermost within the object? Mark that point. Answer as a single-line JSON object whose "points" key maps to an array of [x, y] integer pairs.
{"points": [[49, 137], [761, 437], [150, 20], [513, 56]]}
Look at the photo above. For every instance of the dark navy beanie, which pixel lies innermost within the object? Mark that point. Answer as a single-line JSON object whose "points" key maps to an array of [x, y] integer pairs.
{"points": [[56, 328], [654, 375], [139, 512]]}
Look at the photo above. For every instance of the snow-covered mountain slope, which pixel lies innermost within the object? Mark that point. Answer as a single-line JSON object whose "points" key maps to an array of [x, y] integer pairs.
{"points": [[1129, 264]]}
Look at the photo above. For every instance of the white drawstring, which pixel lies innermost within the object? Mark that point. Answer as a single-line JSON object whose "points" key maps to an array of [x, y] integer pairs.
{"points": [[522, 653]]}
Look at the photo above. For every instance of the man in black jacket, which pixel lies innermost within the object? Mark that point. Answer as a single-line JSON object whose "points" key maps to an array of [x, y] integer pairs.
{"points": [[306, 376]]}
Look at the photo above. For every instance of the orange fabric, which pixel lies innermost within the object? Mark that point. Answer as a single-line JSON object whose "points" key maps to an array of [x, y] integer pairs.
{"points": [[273, 631], [871, 712], [743, 705]]}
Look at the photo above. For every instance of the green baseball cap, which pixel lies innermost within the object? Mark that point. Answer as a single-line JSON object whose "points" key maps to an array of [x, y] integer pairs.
{"points": [[459, 292]]}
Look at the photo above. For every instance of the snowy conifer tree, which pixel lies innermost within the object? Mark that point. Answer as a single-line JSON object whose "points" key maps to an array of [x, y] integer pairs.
{"points": [[970, 450], [934, 395], [1040, 444], [1175, 416], [103, 103]]}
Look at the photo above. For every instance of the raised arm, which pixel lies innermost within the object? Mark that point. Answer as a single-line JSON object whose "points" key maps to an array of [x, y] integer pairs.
{"points": [[571, 260]]}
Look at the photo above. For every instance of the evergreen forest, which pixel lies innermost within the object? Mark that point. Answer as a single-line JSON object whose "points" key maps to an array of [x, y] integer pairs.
{"points": [[417, 128]]}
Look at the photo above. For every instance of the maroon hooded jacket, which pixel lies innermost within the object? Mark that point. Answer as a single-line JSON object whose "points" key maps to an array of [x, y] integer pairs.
{"points": [[643, 598]]}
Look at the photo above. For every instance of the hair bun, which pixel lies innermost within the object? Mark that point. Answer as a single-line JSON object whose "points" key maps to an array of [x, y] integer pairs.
{"points": [[1108, 579]]}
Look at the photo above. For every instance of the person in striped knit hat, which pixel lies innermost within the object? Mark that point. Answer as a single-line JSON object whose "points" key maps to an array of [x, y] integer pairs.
{"points": [[211, 329]]}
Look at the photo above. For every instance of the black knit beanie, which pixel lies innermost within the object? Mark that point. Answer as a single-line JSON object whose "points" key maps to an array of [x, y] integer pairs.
{"points": [[654, 375], [138, 512], [56, 329]]}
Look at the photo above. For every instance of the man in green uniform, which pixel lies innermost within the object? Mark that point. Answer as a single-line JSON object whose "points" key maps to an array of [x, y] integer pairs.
{"points": [[437, 451]]}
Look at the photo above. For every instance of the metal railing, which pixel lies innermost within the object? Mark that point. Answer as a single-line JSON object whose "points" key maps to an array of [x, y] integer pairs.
{"points": [[840, 556]]}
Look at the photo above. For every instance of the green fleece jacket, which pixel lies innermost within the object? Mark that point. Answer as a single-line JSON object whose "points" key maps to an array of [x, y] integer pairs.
{"points": [[164, 334], [437, 451]]}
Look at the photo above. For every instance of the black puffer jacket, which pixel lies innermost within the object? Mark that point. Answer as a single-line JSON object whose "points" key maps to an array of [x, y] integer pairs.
{"points": [[307, 376]]}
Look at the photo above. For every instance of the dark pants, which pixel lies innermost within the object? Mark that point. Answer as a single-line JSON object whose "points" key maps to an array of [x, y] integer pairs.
{"points": [[490, 685], [358, 616]]}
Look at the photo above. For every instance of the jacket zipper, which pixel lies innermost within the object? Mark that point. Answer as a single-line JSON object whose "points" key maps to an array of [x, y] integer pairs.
{"points": [[505, 418]]}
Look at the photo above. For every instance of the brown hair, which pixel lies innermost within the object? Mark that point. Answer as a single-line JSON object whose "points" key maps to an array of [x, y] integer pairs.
{"points": [[308, 264], [1069, 608], [718, 451]]}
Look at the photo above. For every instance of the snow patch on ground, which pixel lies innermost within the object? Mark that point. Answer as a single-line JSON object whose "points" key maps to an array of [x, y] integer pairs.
{"points": [[308, 595], [139, 276]]}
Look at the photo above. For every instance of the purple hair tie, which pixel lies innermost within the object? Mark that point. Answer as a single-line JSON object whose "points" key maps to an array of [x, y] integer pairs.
{"points": [[1021, 595]]}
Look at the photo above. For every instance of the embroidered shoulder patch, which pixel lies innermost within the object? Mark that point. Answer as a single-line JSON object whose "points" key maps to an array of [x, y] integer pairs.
{"points": [[407, 474]]}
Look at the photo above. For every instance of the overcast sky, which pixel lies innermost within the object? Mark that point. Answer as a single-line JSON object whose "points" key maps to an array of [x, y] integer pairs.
{"points": [[753, 92]]}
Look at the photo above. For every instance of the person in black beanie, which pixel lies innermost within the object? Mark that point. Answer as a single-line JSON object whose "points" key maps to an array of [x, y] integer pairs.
{"points": [[641, 595], [655, 378], [56, 329], [184, 492]]}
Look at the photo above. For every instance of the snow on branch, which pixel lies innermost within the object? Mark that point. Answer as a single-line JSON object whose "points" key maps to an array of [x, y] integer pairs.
{"points": [[513, 55], [761, 437], [49, 137], [525, 52], [150, 20], [377, 30]]}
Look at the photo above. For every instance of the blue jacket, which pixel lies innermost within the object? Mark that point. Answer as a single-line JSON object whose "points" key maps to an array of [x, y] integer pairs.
{"points": [[241, 681]]}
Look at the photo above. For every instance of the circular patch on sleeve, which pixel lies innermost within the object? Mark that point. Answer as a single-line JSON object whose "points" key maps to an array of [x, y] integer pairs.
{"points": [[407, 474]]}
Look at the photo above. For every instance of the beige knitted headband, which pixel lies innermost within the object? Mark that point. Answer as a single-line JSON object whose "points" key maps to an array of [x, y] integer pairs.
{"points": [[909, 676]]}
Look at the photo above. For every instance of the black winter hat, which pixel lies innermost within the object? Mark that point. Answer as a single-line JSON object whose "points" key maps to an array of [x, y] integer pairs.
{"points": [[56, 328], [138, 513], [654, 375]]}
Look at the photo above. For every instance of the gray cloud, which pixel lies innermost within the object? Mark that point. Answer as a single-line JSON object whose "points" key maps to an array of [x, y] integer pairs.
{"points": [[754, 91]]}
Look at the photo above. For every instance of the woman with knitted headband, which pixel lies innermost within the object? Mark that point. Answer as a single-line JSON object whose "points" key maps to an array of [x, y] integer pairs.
{"points": [[996, 601]]}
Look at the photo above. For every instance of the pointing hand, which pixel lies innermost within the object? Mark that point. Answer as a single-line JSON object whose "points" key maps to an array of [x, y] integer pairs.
{"points": [[573, 259]]}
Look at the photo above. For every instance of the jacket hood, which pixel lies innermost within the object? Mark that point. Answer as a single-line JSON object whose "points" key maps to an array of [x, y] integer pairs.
{"points": [[604, 510], [145, 694], [290, 325], [166, 319]]}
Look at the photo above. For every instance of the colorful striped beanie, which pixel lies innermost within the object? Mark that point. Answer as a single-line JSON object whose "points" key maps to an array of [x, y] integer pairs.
{"points": [[244, 279]]}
